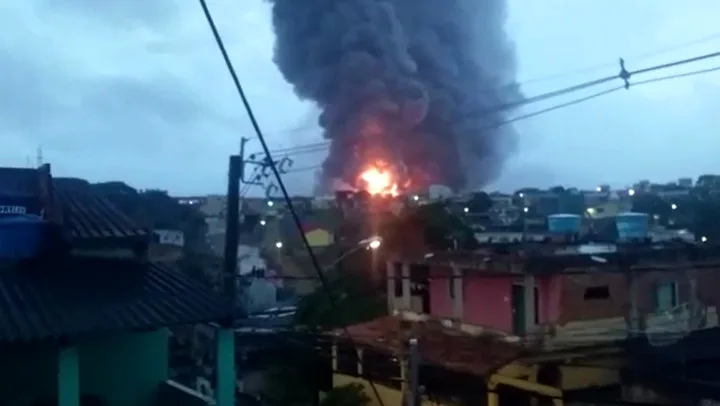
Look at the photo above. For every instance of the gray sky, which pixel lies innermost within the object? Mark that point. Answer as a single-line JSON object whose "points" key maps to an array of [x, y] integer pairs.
{"points": [[135, 90]]}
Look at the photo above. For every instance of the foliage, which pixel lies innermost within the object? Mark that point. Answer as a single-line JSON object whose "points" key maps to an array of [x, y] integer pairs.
{"points": [[347, 298], [443, 227], [346, 395], [480, 202]]}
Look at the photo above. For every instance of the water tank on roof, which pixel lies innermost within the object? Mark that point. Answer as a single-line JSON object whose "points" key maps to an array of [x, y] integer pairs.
{"points": [[632, 226], [20, 236], [564, 223]]}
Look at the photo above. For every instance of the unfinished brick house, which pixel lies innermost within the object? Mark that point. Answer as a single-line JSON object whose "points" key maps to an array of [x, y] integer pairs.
{"points": [[581, 285]]}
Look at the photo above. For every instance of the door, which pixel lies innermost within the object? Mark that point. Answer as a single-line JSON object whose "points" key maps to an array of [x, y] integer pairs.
{"points": [[517, 307]]}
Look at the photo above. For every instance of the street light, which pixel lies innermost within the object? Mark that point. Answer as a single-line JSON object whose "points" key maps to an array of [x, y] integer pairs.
{"points": [[263, 222], [673, 206], [371, 243], [278, 244]]}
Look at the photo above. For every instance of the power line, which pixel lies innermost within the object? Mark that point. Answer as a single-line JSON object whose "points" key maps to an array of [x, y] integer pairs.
{"points": [[622, 75], [266, 149], [316, 147], [603, 93], [323, 145], [587, 69]]}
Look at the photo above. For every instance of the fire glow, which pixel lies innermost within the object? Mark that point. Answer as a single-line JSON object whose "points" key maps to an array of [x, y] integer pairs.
{"points": [[379, 182]]}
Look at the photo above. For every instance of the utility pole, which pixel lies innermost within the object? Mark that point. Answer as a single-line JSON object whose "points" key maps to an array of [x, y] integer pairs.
{"points": [[412, 396], [225, 336], [236, 171]]}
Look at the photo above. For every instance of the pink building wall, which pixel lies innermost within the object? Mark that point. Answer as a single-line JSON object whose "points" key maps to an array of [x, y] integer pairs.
{"points": [[487, 300]]}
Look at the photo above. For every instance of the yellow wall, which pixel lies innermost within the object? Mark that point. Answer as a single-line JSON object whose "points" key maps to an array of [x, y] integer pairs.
{"points": [[388, 396], [319, 238], [581, 377]]}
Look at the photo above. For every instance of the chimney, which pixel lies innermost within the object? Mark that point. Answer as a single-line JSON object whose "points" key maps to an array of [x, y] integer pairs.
{"points": [[48, 200]]}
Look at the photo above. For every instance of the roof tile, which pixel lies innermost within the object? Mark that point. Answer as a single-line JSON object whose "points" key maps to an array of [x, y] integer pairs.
{"points": [[440, 345]]}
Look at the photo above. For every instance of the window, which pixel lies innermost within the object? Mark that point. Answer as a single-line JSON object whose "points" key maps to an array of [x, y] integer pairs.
{"points": [[597, 293], [666, 296]]}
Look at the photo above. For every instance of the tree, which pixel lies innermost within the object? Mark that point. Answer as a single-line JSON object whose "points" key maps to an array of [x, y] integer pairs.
{"points": [[347, 298], [480, 202]]}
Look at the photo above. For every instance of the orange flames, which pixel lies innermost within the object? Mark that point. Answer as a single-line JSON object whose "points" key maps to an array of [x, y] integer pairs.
{"points": [[379, 181]]}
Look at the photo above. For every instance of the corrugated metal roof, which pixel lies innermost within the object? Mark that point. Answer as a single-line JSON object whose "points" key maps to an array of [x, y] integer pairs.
{"points": [[19, 181], [89, 215], [85, 295]]}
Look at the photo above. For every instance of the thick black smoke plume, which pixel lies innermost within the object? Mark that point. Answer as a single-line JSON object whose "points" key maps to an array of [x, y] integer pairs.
{"points": [[411, 82]]}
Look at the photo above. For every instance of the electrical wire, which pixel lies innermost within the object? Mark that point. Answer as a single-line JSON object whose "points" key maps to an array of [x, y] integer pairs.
{"points": [[248, 185], [300, 149], [588, 69], [323, 146], [623, 75], [608, 91], [266, 149]]}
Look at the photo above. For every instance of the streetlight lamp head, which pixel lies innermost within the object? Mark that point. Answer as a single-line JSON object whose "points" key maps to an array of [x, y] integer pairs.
{"points": [[466, 210], [270, 203], [262, 222], [279, 244], [371, 242]]}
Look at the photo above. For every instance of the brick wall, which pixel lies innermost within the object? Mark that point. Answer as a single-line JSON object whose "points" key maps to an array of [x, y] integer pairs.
{"points": [[575, 307]]}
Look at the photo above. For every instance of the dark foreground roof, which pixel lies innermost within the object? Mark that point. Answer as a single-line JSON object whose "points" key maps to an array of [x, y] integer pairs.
{"points": [[82, 295], [19, 181], [88, 215]]}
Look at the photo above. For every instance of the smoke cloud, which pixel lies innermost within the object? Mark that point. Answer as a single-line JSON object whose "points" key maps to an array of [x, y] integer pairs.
{"points": [[409, 82]]}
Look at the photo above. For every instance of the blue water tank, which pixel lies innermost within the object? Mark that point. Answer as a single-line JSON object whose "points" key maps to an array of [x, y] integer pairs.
{"points": [[564, 223], [20, 236], [632, 225]]}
